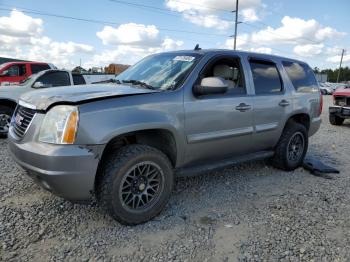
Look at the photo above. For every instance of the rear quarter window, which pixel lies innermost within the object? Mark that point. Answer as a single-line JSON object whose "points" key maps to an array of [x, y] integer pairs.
{"points": [[78, 80], [301, 76]]}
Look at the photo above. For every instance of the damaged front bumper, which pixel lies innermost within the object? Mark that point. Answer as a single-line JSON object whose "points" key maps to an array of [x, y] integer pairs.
{"points": [[66, 170], [340, 111]]}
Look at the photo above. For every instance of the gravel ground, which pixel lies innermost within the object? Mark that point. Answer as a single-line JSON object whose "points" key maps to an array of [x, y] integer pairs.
{"points": [[248, 213]]}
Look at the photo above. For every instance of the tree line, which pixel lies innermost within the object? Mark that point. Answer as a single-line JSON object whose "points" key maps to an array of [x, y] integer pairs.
{"points": [[333, 74]]}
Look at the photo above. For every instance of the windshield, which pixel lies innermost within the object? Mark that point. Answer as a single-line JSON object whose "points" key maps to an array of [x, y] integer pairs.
{"points": [[161, 71], [3, 65], [27, 80]]}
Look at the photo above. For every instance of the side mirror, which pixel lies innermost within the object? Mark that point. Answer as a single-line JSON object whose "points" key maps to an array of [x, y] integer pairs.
{"points": [[210, 86], [5, 73], [39, 85]]}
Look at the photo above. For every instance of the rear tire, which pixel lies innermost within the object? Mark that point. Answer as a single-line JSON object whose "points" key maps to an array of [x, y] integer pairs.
{"points": [[292, 147], [5, 119], [134, 184], [336, 120]]}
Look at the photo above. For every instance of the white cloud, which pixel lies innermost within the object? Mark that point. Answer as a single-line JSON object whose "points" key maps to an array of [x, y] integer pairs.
{"points": [[264, 50], [170, 44], [208, 21], [130, 43], [20, 25], [336, 59], [58, 53], [241, 43], [131, 34], [295, 31], [129, 54], [308, 50], [21, 37], [207, 13], [249, 15], [333, 50], [244, 44]]}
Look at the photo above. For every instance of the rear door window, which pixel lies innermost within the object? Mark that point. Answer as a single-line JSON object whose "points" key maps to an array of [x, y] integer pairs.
{"points": [[55, 79], [78, 80], [38, 67], [266, 77], [301, 76]]}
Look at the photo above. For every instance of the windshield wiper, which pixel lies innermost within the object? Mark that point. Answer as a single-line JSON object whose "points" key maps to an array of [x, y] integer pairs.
{"points": [[140, 83], [114, 81]]}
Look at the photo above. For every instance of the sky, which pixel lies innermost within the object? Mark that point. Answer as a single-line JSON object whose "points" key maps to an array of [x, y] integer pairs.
{"points": [[97, 33]]}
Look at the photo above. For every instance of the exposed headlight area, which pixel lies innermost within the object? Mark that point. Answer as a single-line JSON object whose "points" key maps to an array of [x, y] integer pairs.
{"points": [[60, 125]]}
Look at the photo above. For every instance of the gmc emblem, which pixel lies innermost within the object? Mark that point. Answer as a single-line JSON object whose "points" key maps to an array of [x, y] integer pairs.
{"points": [[19, 119]]}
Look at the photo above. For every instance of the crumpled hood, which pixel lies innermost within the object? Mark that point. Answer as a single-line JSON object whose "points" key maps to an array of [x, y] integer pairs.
{"points": [[342, 91], [43, 98]]}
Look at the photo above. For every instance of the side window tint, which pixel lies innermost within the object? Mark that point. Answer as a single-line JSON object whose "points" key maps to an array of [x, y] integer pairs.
{"points": [[78, 80], [37, 68], [13, 70], [55, 79], [266, 77], [301, 76]]}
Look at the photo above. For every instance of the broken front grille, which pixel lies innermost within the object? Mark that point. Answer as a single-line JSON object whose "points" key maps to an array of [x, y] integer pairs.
{"points": [[22, 120], [342, 100]]}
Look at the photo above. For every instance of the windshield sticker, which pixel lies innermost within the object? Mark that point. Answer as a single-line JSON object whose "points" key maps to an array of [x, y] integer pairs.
{"points": [[184, 58]]}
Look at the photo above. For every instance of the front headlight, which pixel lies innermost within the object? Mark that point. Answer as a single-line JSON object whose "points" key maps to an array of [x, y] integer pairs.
{"points": [[60, 125]]}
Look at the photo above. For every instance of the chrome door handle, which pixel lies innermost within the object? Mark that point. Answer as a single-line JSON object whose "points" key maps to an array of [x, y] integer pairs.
{"points": [[243, 107], [283, 103]]}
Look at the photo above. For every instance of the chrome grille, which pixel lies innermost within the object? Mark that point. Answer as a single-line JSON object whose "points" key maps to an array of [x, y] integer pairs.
{"points": [[22, 119]]}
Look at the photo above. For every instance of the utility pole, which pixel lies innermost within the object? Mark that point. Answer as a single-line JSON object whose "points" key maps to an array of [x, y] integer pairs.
{"points": [[236, 23], [341, 61]]}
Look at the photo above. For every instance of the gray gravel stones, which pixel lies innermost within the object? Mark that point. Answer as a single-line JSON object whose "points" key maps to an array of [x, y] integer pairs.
{"points": [[252, 212]]}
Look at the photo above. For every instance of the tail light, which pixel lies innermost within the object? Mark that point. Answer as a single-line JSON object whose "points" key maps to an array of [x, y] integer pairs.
{"points": [[321, 104]]}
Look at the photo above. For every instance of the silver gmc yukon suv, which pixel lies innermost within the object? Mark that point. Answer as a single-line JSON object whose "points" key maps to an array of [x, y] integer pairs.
{"points": [[172, 114]]}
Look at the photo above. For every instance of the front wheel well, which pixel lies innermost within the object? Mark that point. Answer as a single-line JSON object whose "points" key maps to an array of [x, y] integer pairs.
{"points": [[160, 139], [9, 103]]}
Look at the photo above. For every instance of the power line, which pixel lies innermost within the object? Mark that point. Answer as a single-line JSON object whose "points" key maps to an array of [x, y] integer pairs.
{"points": [[37, 12], [155, 9], [213, 8]]}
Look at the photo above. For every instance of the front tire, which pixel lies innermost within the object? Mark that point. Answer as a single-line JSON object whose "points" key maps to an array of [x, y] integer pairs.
{"points": [[292, 147], [134, 184], [336, 120], [5, 119]]}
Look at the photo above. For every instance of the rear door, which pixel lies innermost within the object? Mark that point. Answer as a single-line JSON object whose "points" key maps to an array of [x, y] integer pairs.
{"points": [[272, 102], [219, 126]]}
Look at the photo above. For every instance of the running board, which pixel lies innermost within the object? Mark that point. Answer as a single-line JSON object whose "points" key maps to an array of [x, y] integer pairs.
{"points": [[196, 170]]}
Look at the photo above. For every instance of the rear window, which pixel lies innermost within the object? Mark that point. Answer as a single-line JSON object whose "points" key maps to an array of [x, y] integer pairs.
{"points": [[37, 68], [301, 76], [78, 80], [266, 77], [52, 79]]}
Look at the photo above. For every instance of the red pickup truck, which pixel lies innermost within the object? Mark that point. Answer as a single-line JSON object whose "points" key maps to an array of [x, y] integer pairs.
{"points": [[341, 108], [15, 72]]}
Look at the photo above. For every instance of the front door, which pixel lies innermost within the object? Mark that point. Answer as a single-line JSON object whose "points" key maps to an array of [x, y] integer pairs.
{"points": [[219, 126]]}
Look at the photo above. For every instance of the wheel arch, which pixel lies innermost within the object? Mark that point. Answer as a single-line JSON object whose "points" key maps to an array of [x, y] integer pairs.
{"points": [[301, 118], [8, 102], [161, 139]]}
